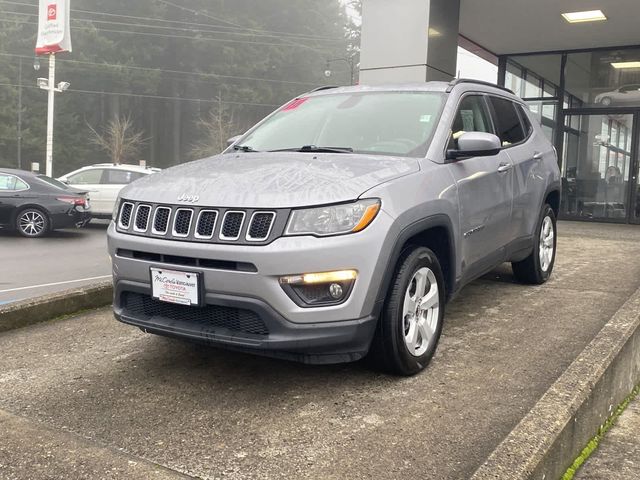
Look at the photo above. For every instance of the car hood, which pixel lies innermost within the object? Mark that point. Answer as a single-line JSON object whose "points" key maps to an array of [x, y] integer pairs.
{"points": [[270, 180]]}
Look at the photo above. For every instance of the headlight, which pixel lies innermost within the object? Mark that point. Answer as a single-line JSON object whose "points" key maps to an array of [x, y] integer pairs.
{"points": [[116, 208], [333, 219]]}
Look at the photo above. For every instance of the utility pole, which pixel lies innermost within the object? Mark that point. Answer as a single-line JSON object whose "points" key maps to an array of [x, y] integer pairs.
{"points": [[20, 114]]}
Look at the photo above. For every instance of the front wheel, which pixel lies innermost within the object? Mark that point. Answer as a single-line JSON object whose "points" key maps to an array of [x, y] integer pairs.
{"points": [[32, 223], [537, 267], [413, 314]]}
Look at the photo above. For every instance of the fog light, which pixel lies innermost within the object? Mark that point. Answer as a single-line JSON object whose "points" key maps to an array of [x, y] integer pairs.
{"points": [[335, 290], [322, 277], [319, 289]]}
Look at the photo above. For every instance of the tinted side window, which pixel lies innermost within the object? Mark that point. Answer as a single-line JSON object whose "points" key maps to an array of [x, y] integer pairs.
{"points": [[88, 177], [472, 116], [507, 121]]}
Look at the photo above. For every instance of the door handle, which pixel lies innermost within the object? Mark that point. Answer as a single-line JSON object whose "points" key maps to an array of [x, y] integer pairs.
{"points": [[537, 156], [504, 167]]}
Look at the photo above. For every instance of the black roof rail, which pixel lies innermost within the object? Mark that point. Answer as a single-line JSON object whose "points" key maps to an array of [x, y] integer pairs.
{"points": [[458, 81], [325, 87]]}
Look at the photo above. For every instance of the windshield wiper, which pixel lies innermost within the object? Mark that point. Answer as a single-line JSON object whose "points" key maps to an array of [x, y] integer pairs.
{"points": [[316, 149], [244, 148]]}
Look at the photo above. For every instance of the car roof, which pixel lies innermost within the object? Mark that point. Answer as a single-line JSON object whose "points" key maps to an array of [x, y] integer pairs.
{"points": [[134, 168], [15, 171]]}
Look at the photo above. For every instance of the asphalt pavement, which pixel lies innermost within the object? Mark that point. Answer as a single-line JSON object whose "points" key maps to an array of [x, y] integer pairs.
{"points": [[65, 259], [88, 397]]}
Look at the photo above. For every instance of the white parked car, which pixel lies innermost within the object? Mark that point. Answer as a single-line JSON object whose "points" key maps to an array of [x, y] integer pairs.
{"points": [[104, 182], [629, 94]]}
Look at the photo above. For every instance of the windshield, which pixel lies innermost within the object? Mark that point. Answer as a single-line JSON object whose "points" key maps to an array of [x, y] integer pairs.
{"points": [[383, 123]]}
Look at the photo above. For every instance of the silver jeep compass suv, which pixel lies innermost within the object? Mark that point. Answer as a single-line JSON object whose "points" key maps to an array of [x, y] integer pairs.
{"points": [[341, 224]]}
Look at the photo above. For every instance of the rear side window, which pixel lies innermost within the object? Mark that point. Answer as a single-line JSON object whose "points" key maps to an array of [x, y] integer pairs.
{"points": [[121, 177], [11, 183], [88, 177], [507, 121]]}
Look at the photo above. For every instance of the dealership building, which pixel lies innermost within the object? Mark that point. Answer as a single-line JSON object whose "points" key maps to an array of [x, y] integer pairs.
{"points": [[576, 63]]}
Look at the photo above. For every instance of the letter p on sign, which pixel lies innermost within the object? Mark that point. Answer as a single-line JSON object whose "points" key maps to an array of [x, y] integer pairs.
{"points": [[52, 11]]}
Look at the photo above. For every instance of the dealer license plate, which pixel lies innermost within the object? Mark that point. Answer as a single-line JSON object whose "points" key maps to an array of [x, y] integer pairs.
{"points": [[173, 286]]}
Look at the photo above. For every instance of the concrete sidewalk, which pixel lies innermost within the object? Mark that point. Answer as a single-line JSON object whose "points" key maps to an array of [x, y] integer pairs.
{"points": [[86, 396], [618, 456]]}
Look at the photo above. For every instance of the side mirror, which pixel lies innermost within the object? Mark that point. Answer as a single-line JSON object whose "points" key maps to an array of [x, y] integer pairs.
{"points": [[475, 144], [233, 140]]}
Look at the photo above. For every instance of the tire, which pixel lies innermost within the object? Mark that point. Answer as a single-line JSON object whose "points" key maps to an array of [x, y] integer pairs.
{"points": [[537, 267], [399, 345], [32, 223], [606, 101]]}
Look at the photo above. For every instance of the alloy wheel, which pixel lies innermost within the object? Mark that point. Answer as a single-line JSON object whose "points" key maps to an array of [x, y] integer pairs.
{"points": [[32, 223], [547, 244], [420, 311]]}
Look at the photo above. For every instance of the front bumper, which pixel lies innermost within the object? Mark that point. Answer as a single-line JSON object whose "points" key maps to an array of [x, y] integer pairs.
{"points": [[316, 343], [330, 334]]}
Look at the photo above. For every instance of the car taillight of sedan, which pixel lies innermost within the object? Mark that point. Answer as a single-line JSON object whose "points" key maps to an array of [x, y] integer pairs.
{"points": [[75, 201]]}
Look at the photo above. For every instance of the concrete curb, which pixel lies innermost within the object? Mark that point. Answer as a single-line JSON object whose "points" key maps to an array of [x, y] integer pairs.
{"points": [[40, 309], [547, 440]]}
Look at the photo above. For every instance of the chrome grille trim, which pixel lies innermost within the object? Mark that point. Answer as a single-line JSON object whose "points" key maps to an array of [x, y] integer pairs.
{"points": [[250, 224], [224, 221], [175, 218], [153, 224], [142, 207], [120, 223], [249, 238], [213, 229]]}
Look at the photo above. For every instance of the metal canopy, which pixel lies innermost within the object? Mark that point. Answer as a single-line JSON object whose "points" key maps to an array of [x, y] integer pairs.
{"points": [[519, 26]]}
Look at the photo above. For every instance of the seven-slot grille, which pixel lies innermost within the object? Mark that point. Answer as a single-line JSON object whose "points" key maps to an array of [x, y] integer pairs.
{"points": [[198, 224]]}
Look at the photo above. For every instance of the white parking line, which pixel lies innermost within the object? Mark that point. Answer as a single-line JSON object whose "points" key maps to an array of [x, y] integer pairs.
{"points": [[54, 284]]}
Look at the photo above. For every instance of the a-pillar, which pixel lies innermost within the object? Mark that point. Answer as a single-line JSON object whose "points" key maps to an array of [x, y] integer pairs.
{"points": [[408, 40]]}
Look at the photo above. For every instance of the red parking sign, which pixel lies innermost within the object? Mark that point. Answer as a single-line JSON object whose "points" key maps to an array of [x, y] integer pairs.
{"points": [[52, 11]]}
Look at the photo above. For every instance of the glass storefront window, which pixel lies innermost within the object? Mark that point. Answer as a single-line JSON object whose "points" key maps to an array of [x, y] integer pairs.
{"points": [[596, 166], [609, 78], [513, 79]]}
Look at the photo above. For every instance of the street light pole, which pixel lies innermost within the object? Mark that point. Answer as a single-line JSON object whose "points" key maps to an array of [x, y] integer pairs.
{"points": [[349, 60], [19, 114], [51, 90]]}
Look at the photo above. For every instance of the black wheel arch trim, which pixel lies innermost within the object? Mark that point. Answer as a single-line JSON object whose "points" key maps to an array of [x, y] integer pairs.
{"points": [[411, 230]]}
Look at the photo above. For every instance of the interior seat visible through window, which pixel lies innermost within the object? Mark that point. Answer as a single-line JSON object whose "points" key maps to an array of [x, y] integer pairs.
{"points": [[472, 116]]}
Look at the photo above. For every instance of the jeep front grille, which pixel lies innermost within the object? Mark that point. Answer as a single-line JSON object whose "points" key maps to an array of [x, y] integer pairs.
{"points": [[202, 224], [125, 215], [182, 222], [161, 220], [231, 225], [142, 218], [260, 227]]}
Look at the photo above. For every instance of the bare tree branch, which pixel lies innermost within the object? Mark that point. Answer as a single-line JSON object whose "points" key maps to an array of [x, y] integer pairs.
{"points": [[218, 126], [119, 140]]}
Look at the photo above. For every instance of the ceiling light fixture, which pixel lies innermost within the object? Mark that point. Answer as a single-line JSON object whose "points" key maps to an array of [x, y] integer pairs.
{"points": [[625, 64], [587, 16]]}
